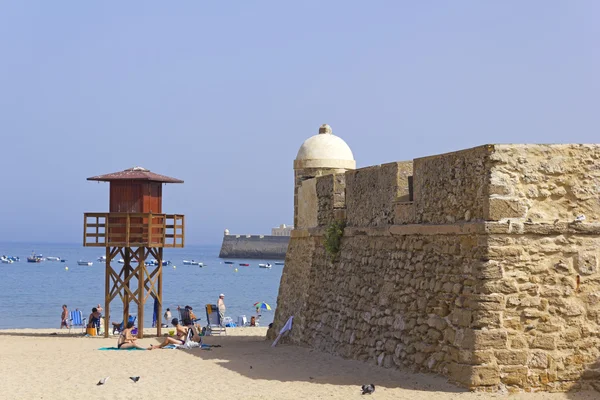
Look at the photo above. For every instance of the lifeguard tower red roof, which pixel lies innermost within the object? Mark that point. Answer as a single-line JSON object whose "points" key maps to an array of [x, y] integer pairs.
{"points": [[137, 174]]}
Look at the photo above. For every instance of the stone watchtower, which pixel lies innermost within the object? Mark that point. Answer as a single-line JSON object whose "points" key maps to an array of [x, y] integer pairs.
{"points": [[319, 155]]}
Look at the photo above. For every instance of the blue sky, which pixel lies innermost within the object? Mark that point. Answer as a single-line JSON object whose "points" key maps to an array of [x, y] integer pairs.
{"points": [[222, 95]]}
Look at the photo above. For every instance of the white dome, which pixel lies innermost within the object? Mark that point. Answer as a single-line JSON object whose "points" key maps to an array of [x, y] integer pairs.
{"points": [[325, 150]]}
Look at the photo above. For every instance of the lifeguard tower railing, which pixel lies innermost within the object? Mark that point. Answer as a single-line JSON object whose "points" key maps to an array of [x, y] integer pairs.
{"points": [[113, 229]]}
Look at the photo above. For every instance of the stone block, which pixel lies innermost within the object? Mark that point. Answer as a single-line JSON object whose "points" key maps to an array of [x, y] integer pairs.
{"points": [[511, 357], [547, 342], [538, 359], [474, 375], [514, 376], [586, 263], [501, 207]]}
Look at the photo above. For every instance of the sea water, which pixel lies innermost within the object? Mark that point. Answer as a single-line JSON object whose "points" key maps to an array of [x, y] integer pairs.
{"points": [[31, 294]]}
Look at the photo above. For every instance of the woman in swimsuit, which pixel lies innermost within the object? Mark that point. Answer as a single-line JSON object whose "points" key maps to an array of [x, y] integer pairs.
{"points": [[127, 340], [179, 338]]}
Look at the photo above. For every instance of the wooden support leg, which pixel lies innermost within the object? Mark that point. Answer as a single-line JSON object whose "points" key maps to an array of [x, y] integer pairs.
{"points": [[126, 297], [141, 292], [107, 292], [159, 294]]}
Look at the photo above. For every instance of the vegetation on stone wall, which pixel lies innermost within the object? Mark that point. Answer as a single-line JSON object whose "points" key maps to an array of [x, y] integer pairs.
{"points": [[333, 238]]}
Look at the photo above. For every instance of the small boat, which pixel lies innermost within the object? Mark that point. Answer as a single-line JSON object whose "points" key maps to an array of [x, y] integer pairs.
{"points": [[33, 258], [6, 260], [154, 263], [53, 258], [192, 262], [264, 265], [88, 263], [13, 258], [63, 260], [228, 262], [278, 263], [102, 258], [244, 265], [121, 261]]}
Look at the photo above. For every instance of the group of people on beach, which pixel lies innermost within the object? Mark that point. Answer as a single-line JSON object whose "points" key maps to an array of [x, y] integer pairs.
{"points": [[128, 340], [93, 320]]}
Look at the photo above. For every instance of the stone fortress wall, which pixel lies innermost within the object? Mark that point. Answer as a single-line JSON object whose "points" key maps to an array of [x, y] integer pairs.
{"points": [[469, 264], [262, 247]]}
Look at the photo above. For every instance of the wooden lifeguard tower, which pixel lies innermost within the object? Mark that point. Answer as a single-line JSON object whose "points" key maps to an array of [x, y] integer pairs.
{"points": [[134, 228]]}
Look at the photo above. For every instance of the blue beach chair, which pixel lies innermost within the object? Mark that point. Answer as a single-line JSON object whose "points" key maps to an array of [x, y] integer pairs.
{"points": [[118, 328], [214, 324], [76, 319]]}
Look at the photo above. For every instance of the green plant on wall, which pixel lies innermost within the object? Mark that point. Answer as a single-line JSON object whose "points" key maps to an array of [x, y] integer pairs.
{"points": [[333, 238]]}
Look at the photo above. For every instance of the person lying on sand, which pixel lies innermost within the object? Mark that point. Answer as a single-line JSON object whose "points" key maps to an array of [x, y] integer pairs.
{"points": [[127, 340], [179, 338]]}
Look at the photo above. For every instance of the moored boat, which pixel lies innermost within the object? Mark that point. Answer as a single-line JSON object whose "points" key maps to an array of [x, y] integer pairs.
{"points": [[33, 258], [88, 263], [153, 263], [53, 258], [278, 263], [101, 259], [244, 264], [228, 262], [6, 260], [192, 262], [267, 265]]}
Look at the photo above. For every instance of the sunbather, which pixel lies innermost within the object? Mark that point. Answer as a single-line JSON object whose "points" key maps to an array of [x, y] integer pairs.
{"points": [[180, 335], [127, 340]]}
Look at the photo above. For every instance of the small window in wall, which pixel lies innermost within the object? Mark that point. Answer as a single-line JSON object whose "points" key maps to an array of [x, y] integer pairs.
{"points": [[410, 189]]}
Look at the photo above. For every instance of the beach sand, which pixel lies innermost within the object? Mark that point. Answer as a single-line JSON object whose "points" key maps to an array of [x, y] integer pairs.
{"points": [[37, 365]]}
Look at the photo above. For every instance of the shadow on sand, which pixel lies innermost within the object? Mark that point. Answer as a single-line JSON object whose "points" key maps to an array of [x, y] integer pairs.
{"points": [[254, 358]]}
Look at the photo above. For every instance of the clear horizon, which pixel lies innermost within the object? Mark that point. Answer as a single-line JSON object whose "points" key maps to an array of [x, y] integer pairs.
{"points": [[222, 96]]}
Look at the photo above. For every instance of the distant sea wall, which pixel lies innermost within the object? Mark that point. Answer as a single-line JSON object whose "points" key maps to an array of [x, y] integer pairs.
{"points": [[254, 247]]}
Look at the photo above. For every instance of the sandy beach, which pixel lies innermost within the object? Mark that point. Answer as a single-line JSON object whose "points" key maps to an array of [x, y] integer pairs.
{"points": [[40, 364]]}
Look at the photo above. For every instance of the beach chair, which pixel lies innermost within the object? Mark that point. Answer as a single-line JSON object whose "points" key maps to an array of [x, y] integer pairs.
{"points": [[118, 328], [213, 319], [186, 319], [76, 319]]}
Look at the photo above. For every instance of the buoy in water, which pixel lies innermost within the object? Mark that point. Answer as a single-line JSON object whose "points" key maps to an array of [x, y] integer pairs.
{"points": [[235, 270], [174, 266], [66, 268]]}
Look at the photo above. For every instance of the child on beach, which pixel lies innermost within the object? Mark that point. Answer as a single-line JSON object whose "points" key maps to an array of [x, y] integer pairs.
{"points": [[64, 317]]}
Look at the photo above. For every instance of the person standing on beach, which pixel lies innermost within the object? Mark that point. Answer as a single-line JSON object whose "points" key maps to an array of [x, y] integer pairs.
{"points": [[64, 317], [221, 307], [100, 309]]}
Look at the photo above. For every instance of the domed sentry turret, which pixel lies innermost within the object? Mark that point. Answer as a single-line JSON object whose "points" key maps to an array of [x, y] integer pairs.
{"points": [[321, 154], [134, 229]]}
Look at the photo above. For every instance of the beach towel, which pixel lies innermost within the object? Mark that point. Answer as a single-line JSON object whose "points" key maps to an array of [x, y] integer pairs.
{"points": [[116, 348]]}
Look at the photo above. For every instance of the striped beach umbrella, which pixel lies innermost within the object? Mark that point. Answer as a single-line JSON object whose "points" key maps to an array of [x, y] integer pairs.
{"points": [[262, 306]]}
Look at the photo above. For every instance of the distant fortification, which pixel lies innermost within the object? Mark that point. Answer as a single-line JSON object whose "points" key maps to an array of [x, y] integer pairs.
{"points": [[481, 265], [265, 247]]}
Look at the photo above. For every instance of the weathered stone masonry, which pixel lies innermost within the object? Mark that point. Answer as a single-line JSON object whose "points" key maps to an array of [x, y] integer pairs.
{"points": [[485, 277]]}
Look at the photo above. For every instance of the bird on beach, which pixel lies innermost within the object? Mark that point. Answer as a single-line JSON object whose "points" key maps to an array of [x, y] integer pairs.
{"points": [[134, 378], [368, 389], [102, 381]]}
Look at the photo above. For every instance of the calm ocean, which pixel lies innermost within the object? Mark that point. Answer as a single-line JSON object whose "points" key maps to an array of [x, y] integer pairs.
{"points": [[31, 294]]}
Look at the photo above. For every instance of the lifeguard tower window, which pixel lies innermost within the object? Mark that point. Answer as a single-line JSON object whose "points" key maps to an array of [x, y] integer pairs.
{"points": [[410, 189]]}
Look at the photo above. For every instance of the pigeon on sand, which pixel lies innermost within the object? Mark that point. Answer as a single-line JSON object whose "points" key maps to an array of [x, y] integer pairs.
{"points": [[102, 381], [368, 389]]}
